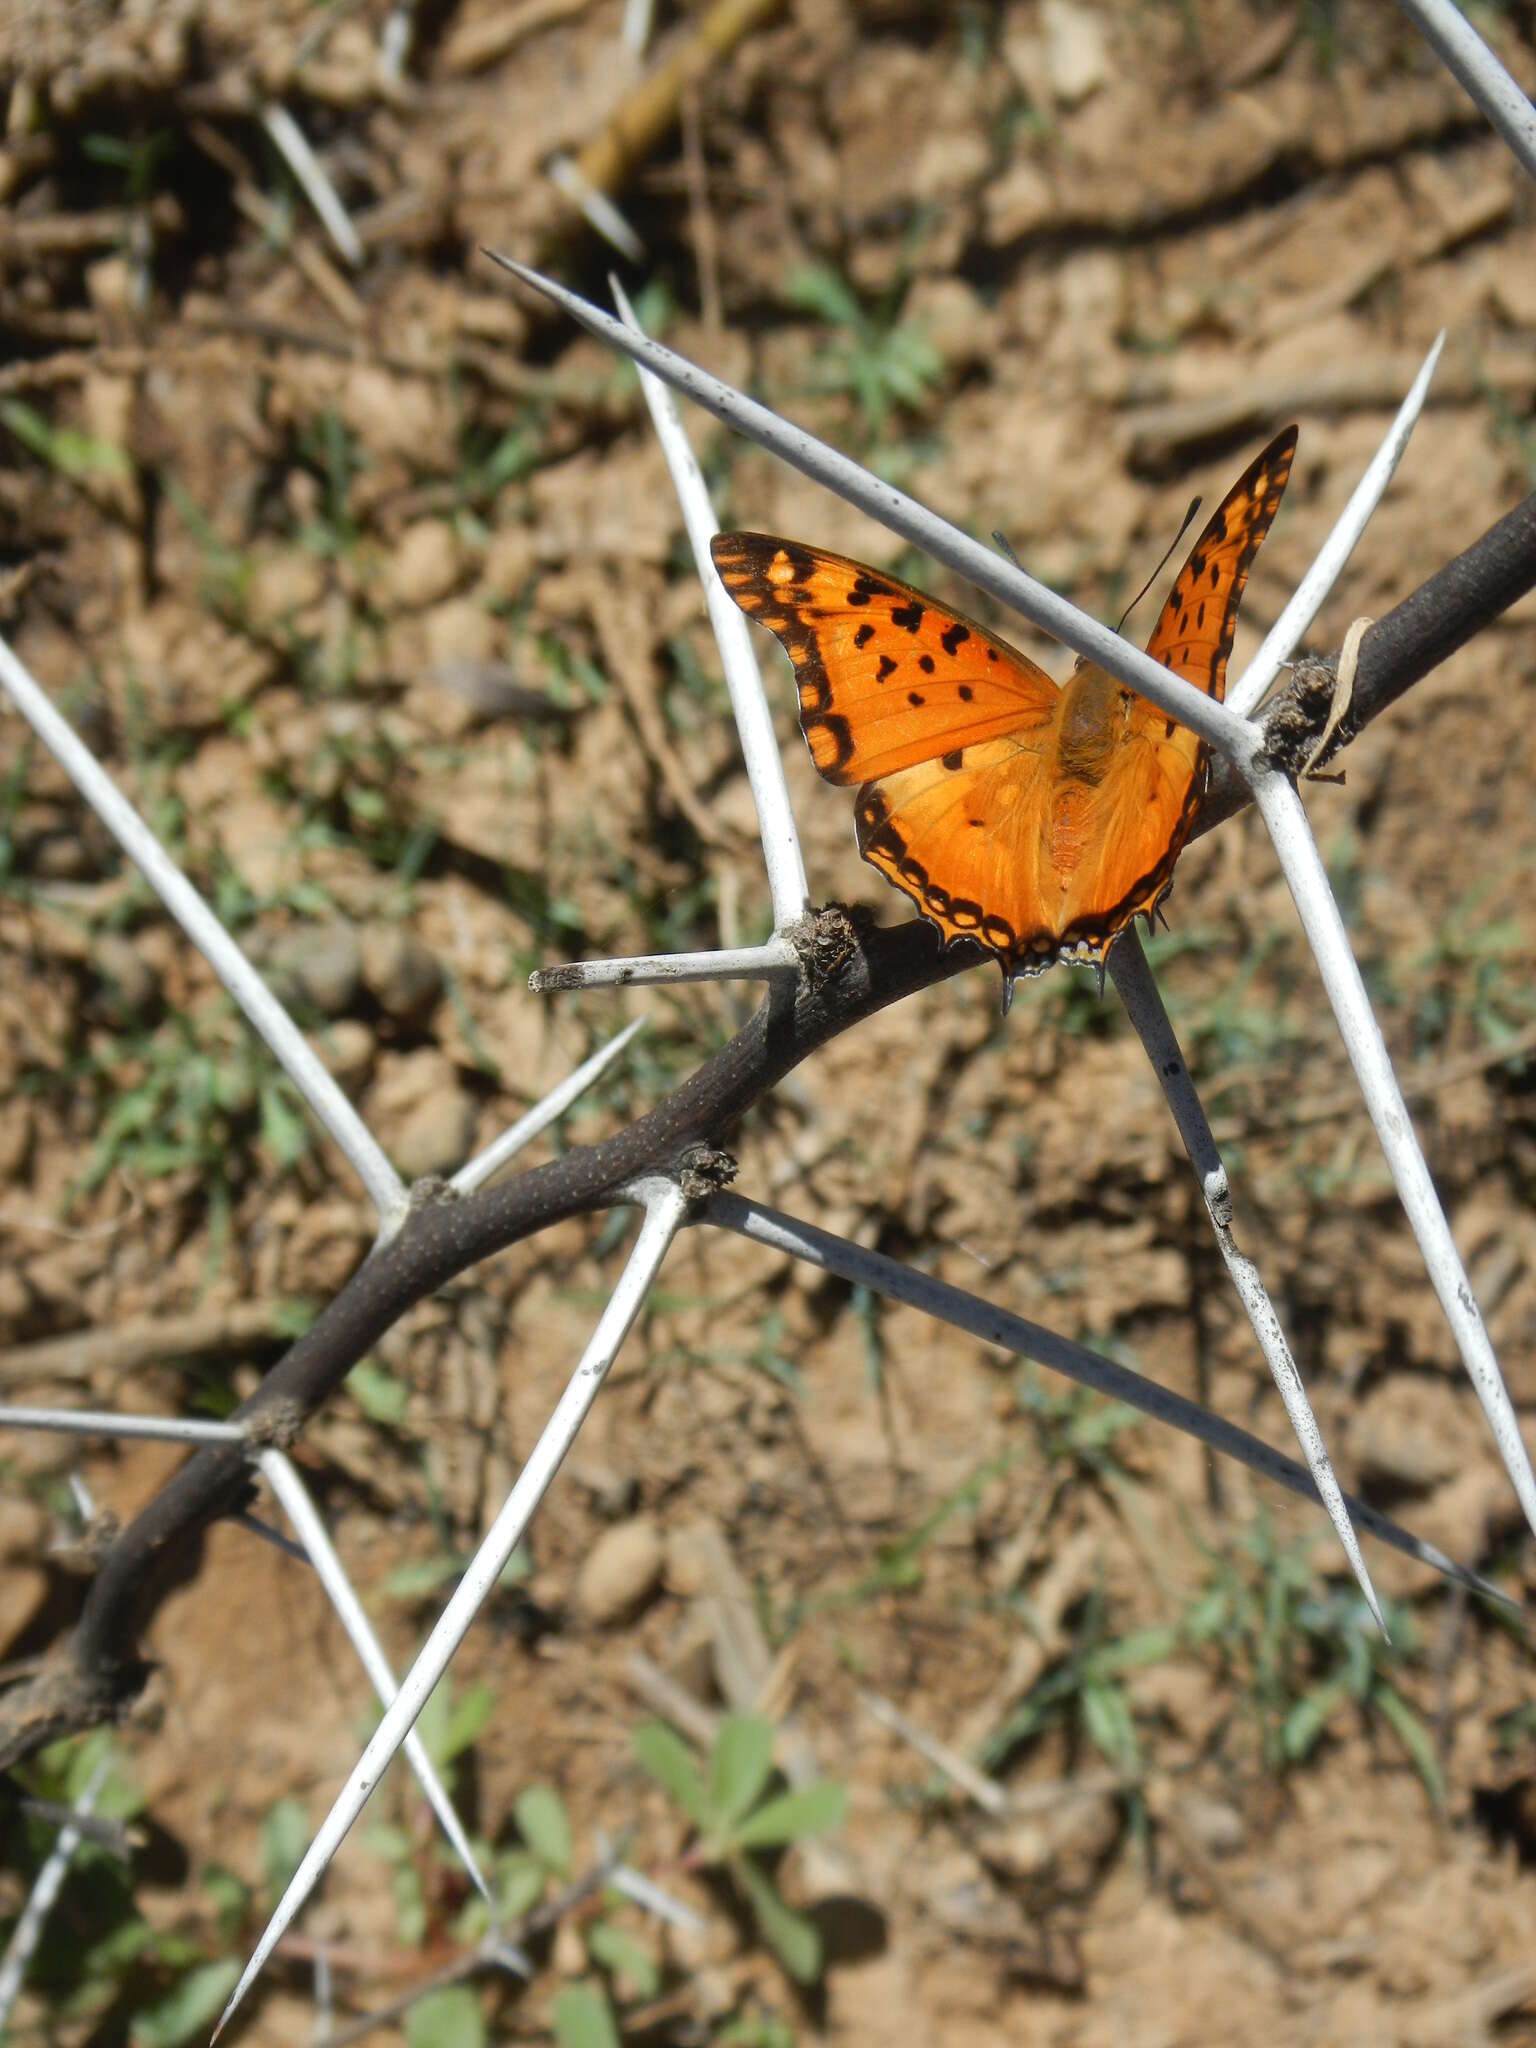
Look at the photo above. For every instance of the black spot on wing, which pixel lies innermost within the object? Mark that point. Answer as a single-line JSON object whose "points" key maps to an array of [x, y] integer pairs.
{"points": [[908, 616], [954, 637], [864, 635]]}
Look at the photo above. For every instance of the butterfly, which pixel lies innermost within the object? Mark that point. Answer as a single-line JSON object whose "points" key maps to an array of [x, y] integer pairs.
{"points": [[1034, 819]]}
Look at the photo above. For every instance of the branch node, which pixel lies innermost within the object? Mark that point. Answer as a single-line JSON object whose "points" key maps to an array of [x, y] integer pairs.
{"points": [[1297, 717], [1217, 1190], [275, 1425], [824, 940], [705, 1170]]}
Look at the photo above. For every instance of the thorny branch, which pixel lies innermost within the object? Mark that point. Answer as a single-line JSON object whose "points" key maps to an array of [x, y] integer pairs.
{"points": [[853, 970]]}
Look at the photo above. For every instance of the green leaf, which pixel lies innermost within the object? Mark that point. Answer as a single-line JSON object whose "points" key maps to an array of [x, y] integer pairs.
{"points": [[466, 1721], [231, 1899], [1107, 1718], [739, 1765], [450, 2018], [820, 290], [417, 1580], [189, 2010], [117, 1797], [1415, 1738], [795, 1940], [1207, 1616], [285, 1132], [110, 1956], [285, 1836], [542, 1818], [520, 1879], [810, 1810], [582, 2018], [382, 1398], [410, 1905], [622, 1956], [1133, 1652], [72, 453], [758, 2030], [387, 1840], [1307, 1719], [670, 1762]]}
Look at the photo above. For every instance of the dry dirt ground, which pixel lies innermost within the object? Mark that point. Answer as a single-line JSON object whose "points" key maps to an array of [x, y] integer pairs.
{"points": [[367, 583]]}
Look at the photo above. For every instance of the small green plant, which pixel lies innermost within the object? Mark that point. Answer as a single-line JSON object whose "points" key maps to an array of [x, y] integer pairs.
{"points": [[1475, 965], [1076, 1425], [138, 158], [1297, 1656], [880, 361], [193, 1094], [99, 1962], [1086, 1690], [737, 1818], [329, 449], [1293, 1655], [77, 456], [532, 1875]]}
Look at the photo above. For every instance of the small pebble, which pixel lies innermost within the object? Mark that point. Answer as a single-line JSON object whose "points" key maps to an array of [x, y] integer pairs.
{"points": [[133, 982], [324, 964], [400, 972], [425, 565], [622, 1570], [437, 1135]]}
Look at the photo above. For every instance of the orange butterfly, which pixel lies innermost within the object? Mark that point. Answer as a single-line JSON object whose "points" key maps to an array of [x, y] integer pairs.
{"points": [[1036, 820]]}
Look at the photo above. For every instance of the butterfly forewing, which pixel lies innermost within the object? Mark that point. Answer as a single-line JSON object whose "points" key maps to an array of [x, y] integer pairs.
{"points": [[886, 677]]}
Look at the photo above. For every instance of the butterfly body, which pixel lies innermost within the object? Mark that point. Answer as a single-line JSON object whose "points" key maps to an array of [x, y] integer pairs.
{"points": [[1034, 819]]}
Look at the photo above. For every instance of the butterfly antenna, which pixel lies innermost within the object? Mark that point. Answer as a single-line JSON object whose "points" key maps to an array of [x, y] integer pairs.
{"points": [[1187, 523], [1002, 541]]}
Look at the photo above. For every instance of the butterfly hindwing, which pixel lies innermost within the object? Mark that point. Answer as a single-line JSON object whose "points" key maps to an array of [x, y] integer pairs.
{"points": [[960, 836], [886, 677]]}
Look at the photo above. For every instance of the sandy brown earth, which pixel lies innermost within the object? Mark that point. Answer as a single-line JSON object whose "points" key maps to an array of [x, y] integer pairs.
{"points": [[367, 583]]}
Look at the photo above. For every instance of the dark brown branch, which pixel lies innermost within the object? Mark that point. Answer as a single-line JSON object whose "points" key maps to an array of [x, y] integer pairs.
{"points": [[97, 1672]]}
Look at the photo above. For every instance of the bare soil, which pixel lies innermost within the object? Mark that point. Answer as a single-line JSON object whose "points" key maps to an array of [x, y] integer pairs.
{"points": [[368, 585]]}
